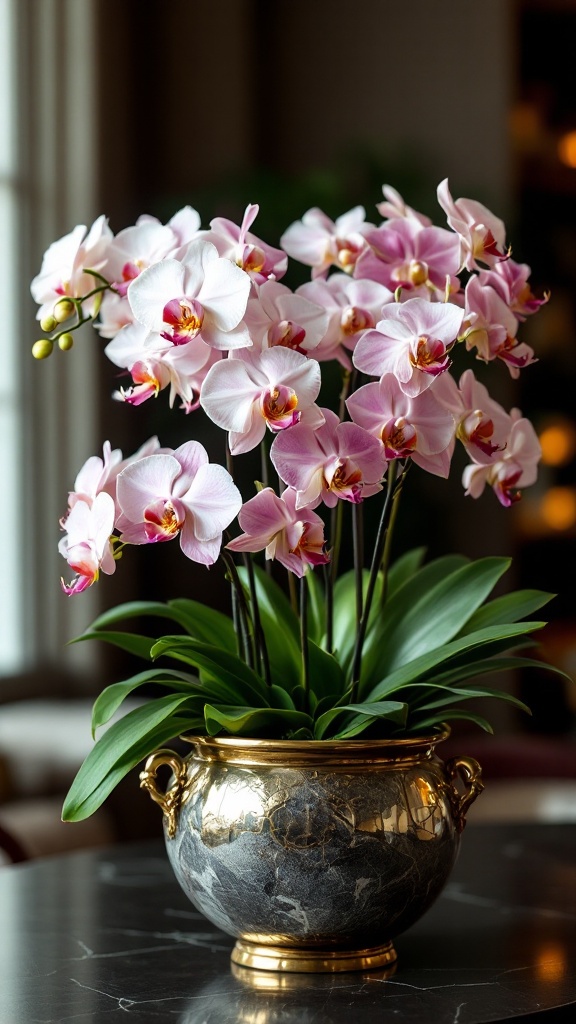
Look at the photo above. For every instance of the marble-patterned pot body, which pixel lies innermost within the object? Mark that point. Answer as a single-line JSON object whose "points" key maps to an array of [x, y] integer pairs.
{"points": [[314, 855]]}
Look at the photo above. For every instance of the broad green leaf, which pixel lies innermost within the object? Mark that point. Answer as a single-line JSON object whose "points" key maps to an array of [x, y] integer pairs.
{"points": [[508, 608], [272, 599], [79, 809], [134, 643], [281, 629], [251, 721], [316, 607], [111, 698], [448, 695], [403, 569], [494, 639], [116, 741], [205, 623], [224, 666], [389, 709], [486, 666], [345, 620], [419, 724], [133, 610], [326, 676], [280, 698]]}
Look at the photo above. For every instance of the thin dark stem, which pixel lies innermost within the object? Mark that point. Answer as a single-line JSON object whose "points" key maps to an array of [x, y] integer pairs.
{"points": [[292, 592], [329, 607], [261, 648], [358, 548], [374, 569], [264, 462], [243, 611], [331, 571], [304, 642], [390, 534]]}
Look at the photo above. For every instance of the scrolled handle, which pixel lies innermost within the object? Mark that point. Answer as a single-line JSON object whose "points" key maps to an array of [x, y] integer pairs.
{"points": [[169, 800], [469, 772]]}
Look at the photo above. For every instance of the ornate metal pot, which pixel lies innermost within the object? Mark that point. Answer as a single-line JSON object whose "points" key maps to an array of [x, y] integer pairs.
{"points": [[315, 854]]}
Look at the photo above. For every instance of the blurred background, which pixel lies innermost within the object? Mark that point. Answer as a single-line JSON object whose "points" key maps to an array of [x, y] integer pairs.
{"points": [[143, 107]]}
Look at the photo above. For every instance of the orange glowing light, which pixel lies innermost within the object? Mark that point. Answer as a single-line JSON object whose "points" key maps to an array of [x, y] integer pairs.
{"points": [[558, 442], [558, 508], [567, 149], [551, 962]]}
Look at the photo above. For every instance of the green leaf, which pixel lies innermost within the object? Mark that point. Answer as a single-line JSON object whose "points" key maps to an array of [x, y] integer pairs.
{"points": [[326, 676], [451, 694], [272, 600], [485, 666], [403, 569], [205, 623], [111, 698], [345, 619], [133, 610], [420, 724], [494, 639], [280, 698], [134, 643], [393, 710], [115, 748], [252, 721], [223, 666], [316, 608], [281, 629], [508, 608]]}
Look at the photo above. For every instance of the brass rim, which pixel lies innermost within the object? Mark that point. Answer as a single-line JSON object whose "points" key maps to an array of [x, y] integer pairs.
{"points": [[238, 750], [311, 961]]}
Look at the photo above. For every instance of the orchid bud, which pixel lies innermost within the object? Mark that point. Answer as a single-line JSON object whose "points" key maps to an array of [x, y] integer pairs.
{"points": [[48, 323], [63, 310], [65, 342], [42, 349]]}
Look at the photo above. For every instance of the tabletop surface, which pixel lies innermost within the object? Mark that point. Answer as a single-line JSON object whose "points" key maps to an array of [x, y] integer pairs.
{"points": [[92, 937]]}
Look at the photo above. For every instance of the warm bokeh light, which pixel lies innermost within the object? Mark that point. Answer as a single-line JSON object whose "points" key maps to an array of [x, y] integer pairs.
{"points": [[551, 962], [558, 442], [558, 508], [567, 149]]}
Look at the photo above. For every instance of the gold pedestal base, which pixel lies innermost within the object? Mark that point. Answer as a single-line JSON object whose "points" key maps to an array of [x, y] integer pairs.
{"points": [[311, 961]]}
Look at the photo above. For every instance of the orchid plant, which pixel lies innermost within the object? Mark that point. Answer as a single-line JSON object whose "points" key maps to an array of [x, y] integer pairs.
{"points": [[387, 649]]}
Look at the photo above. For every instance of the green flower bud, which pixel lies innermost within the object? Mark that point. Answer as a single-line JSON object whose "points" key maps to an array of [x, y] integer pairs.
{"points": [[63, 310], [42, 349], [48, 323], [65, 342]]}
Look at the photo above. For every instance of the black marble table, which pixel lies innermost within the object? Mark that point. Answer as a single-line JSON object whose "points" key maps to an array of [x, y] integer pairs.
{"points": [[107, 936]]}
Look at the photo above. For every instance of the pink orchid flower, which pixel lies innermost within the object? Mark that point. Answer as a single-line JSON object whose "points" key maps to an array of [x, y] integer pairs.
{"points": [[482, 234], [181, 493], [516, 468], [321, 243], [154, 363], [255, 390], [293, 536], [490, 328], [99, 474], [510, 281], [62, 271], [394, 207], [351, 306], [86, 546], [403, 254], [261, 261], [482, 425], [331, 462], [412, 341], [277, 316], [202, 296], [420, 428]]}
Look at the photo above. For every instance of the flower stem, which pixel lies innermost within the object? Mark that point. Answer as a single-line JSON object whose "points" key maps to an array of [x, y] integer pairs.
{"points": [[358, 548], [332, 570], [390, 533], [261, 648], [242, 607], [304, 642], [374, 569]]}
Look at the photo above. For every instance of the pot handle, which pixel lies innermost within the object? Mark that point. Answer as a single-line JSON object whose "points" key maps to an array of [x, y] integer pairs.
{"points": [[170, 800], [469, 773]]}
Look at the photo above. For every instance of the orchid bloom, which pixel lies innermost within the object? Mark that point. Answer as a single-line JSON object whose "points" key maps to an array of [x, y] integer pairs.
{"points": [[155, 363], [180, 493], [95, 476], [293, 536], [482, 234], [482, 425], [351, 307], [420, 428], [277, 316], [412, 340], [403, 254], [394, 207], [258, 259], [202, 296], [510, 281], [330, 462], [321, 243], [63, 267], [516, 468], [491, 328], [255, 390], [86, 545]]}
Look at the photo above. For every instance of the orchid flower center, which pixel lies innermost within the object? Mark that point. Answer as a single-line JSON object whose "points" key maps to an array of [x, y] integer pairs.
{"points": [[162, 520], [354, 319], [429, 355], [287, 334], [477, 429], [251, 259], [279, 407], [185, 317], [399, 438], [347, 252], [346, 479], [310, 544]]}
